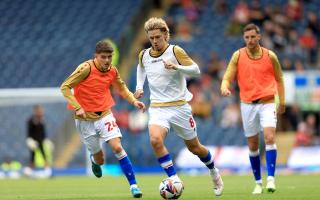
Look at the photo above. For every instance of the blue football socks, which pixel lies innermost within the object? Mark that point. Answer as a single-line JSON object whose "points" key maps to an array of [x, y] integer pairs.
{"points": [[271, 157], [208, 161], [126, 167], [255, 165], [166, 163]]}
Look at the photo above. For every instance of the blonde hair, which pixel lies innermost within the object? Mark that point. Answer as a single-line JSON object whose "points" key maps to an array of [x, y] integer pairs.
{"points": [[157, 23]]}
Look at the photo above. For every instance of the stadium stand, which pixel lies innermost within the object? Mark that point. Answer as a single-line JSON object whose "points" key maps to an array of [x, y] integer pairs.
{"points": [[40, 48]]}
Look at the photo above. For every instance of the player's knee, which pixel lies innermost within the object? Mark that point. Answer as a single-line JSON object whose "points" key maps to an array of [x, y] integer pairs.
{"points": [[156, 142], [117, 149], [195, 149], [269, 139], [253, 145]]}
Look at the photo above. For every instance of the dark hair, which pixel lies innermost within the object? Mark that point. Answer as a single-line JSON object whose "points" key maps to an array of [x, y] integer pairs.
{"points": [[103, 47], [250, 27]]}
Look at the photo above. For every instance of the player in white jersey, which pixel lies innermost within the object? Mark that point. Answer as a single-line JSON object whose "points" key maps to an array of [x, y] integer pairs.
{"points": [[165, 66]]}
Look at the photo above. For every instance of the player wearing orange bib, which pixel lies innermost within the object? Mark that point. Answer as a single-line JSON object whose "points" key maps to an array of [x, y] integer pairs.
{"points": [[259, 76], [92, 102]]}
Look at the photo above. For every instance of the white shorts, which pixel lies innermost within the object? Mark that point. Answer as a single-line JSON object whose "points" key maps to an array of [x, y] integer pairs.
{"points": [[93, 132], [258, 116], [178, 117]]}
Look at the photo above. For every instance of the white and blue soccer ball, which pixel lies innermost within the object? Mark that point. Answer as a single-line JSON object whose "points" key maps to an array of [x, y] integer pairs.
{"points": [[170, 188]]}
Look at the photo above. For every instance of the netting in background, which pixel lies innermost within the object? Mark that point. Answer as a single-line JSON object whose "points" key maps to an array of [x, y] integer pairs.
{"points": [[14, 128], [16, 108]]}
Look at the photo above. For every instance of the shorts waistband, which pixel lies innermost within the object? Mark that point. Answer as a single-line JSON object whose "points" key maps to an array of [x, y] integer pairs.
{"points": [[172, 103], [268, 99]]}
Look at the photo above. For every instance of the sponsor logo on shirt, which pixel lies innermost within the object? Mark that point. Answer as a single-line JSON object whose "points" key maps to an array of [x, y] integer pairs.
{"points": [[156, 60]]}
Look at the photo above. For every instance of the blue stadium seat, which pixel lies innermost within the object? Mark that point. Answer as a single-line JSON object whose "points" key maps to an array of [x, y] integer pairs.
{"points": [[55, 36]]}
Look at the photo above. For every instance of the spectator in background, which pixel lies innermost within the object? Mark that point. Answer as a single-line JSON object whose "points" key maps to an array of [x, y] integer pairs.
{"points": [[303, 137], [269, 11], [231, 117], [220, 7], [306, 131], [313, 23], [268, 31], [299, 66], [183, 32], [214, 67], [279, 38], [191, 10], [293, 49], [240, 17], [308, 42], [200, 105], [294, 10], [172, 27], [287, 64], [291, 118], [294, 116], [257, 15], [233, 28], [242, 13], [37, 137]]}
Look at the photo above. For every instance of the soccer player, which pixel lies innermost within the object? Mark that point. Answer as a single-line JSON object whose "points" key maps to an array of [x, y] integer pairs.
{"points": [[259, 78], [165, 67], [92, 102]]}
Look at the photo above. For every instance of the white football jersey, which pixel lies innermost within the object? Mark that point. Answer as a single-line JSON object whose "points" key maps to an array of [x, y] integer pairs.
{"points": [[166, 85]]}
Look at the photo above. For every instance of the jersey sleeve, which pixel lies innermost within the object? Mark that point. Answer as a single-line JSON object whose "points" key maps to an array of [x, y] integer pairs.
{"points": [[140, 57], [278, 76], [231, 71], [74, 79], [181, 56], [122, 89], [141, 73], [186, 64]]}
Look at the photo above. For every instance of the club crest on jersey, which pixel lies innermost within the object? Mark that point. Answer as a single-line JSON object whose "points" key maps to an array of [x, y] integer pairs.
{"points": [[156, 60]]}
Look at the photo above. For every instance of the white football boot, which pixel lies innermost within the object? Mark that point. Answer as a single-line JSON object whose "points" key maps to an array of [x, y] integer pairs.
{"points": [[257, 189], [271, 186], [217, 181]]}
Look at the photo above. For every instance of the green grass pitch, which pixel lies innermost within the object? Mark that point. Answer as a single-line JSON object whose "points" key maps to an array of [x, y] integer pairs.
{"points": [[237, 187]]}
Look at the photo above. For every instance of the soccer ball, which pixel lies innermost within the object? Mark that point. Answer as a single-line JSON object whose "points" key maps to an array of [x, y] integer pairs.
{"points": [[171, 189]]}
